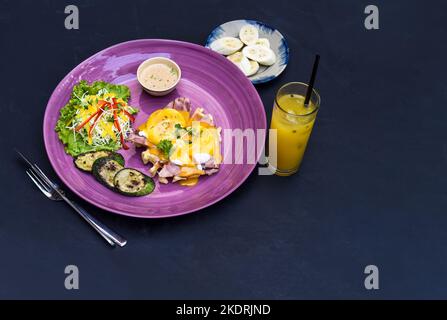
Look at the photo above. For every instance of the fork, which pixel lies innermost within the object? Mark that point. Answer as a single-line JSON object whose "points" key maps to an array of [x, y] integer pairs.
{"points": [[52, 191]]}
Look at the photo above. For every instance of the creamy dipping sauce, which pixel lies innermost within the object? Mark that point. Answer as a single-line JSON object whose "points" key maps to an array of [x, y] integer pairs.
{"points": [[159, 77]]}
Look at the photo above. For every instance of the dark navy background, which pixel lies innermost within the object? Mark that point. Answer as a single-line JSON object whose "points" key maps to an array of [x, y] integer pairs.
{"points": [[372, 188]]}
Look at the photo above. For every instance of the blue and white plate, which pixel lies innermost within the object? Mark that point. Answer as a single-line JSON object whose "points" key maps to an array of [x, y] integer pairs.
{"points": [[277, 43]]}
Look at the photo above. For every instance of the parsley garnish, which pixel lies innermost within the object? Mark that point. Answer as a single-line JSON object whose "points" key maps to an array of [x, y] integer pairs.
{"points": [[181, 130], [165, 146]]}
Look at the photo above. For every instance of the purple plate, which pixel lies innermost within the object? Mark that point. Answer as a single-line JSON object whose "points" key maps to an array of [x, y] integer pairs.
{"points": [[208, 79]]}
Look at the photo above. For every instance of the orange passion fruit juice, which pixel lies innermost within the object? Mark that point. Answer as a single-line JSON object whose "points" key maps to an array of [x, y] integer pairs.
{"points": [[293, 122]]}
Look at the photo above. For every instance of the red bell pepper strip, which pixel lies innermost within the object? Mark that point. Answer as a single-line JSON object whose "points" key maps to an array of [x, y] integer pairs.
{"points": [[131, 117], [79, 127], [118, 127], [95, 122], [114, 107], [101, 104]]}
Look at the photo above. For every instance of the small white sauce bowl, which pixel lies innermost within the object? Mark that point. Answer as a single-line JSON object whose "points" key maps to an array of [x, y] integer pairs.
{"points": [[156, 60]]}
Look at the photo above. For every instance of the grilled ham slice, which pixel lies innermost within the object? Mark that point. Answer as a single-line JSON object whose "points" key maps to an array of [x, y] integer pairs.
{"points": [[180, 104]]}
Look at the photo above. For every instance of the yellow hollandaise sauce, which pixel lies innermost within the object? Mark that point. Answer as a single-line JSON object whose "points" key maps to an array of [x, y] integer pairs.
{"points": [[184, 142]]}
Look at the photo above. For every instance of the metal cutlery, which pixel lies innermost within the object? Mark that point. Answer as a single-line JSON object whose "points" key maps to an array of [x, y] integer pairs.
{"points": [[53, 192]]}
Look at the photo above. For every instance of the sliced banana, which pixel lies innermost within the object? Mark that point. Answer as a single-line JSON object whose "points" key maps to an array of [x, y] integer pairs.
{"points": [[248, 34], [263, 42], [261, 54], [254, 68], [241, 61], [226, 45]]}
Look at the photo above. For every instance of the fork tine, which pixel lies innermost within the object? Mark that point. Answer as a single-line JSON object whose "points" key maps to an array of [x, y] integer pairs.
{"points": [[38, 183], [43, 176], [35, 168], [23, 157], [39, 180], [42, 179]]}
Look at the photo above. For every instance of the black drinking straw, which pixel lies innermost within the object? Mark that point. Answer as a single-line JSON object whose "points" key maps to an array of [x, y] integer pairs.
{"points": [[310, 88]]}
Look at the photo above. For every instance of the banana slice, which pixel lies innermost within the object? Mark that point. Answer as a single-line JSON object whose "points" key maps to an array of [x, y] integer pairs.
{"points": [[261, 54], [241, 61], [248, 34], [226, 45], [254, 68], [263, 42]]}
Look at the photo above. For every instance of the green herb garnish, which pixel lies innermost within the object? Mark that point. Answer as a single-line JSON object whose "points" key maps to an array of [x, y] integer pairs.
{"points": [[165, 146], [180, 128], [132, 110]]}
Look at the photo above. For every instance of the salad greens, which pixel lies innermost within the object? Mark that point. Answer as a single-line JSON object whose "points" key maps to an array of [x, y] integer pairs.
{"points": [[75, 142]]}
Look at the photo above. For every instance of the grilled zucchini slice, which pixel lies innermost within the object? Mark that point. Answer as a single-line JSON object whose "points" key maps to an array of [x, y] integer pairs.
{"points": [[133, 183], [118, 158], [105, 169], [85, 161]]}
